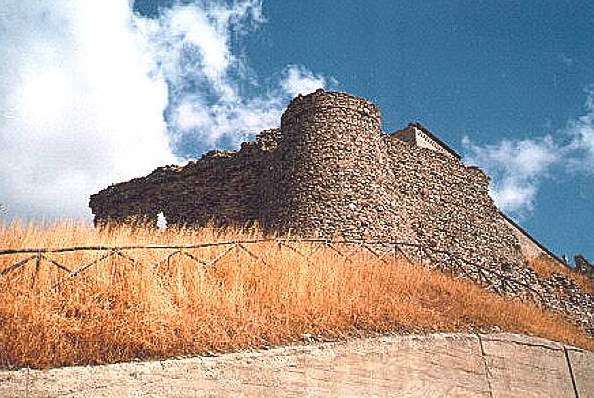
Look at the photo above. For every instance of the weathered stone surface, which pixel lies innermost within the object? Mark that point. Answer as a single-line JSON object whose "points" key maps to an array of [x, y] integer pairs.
{"points": [[582, 365], [330, 171], [583, 265], [537, 363], [440, 365]]}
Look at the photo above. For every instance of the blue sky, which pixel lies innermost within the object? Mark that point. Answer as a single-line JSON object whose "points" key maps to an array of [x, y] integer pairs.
{"points": [[507, 84]]}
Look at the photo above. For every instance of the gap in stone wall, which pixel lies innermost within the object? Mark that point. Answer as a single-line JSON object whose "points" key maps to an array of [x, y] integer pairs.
{"points": [[161, 221]]}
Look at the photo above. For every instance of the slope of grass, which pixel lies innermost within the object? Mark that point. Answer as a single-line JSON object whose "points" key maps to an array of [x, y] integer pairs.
{"points": [[119, 310]]}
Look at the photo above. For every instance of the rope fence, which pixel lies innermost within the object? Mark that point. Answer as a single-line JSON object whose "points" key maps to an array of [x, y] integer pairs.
{"points": [[413, 253]]}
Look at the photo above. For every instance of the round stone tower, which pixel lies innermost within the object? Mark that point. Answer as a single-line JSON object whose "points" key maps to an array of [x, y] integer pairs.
{"points": [[327, 174]]}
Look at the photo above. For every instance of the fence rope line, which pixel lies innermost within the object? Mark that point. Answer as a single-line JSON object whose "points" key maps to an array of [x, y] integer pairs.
{"points": [[17, 265], [202, 245], [456, 263]]}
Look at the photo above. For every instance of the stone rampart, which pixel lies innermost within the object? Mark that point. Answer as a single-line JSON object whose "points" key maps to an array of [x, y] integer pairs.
{"points": [[223, 188], [324, 178], [330, 171]]}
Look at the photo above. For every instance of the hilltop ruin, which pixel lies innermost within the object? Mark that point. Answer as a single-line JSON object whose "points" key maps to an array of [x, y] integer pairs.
{"points": [[331, 171]]}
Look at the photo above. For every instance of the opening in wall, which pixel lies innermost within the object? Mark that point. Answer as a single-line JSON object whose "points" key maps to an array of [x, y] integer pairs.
{"points": [[161, 221]]}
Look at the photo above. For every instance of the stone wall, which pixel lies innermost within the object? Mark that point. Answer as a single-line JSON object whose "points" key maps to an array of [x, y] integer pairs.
{"points": [[324, 177], [336, 173], [532, 249], [412, 366], [223, 188], [416, 134], [330, 171]]}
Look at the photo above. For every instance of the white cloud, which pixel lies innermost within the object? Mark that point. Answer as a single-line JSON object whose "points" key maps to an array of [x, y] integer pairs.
{"points": [[581, 132], [79, 109], [84, 87], [518, 167], [209, 105], [299, 80]]}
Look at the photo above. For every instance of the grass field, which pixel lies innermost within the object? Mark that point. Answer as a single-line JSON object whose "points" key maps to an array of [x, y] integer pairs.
{"points": [[119, 310]]}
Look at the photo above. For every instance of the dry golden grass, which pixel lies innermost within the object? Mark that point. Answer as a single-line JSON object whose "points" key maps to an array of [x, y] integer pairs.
{"points": [[545, 267], [118, 311]]}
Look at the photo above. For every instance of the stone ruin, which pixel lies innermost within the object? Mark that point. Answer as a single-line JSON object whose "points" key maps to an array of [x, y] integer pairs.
{"points": [[583, 265], [330, 171]]}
